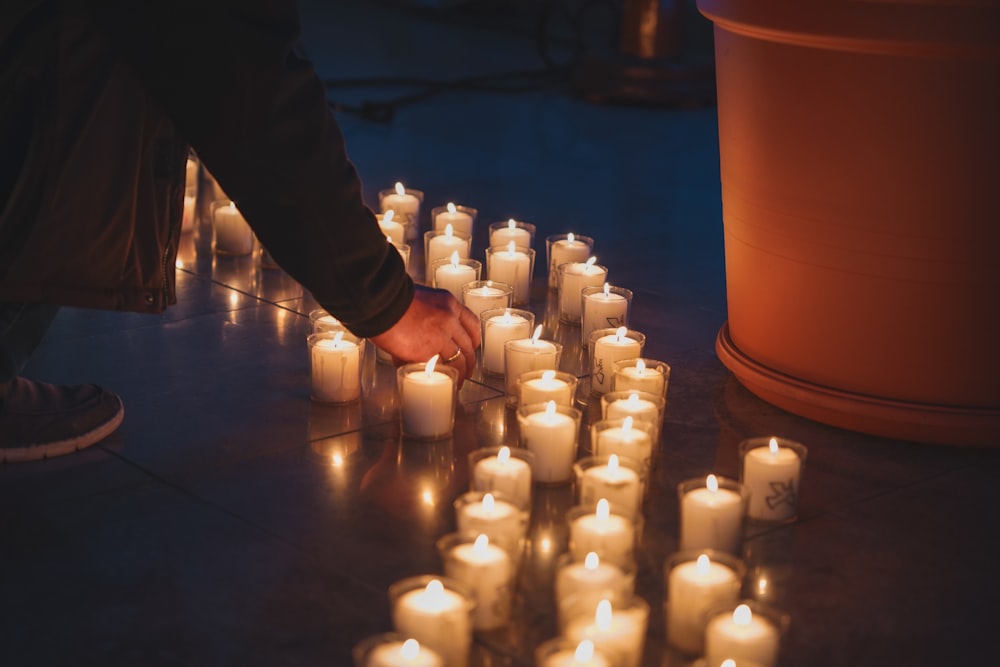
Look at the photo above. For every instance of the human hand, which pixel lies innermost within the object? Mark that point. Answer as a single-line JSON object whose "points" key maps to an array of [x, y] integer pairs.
{"points": [[435, 323]]}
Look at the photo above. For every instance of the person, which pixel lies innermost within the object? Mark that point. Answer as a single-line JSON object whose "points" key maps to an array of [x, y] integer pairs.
{"points": [[100, 103]]}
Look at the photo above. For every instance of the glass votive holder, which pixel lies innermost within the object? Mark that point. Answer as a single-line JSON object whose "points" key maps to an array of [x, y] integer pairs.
{"points": [[618, 479], [552, 432], [504, 470], [712, 514], [393, 228], [389, 649], [573, 278], [496, 515], [321, 321], [427, 397], [513, 265], [522, 355], [603, 307], [461, 218], [616, 624], [499, 326], [486, 569], [640, 405], [606, 346], [641, 374], [443, 244], [609, 532], [481, 295], [749, 632], [504, 232], [771, 469], [563, 652], [404, 253], [231, 234], [565, 248], [590, 576], [437, 611], [627, 437], [696, 581], [335, 362], [452, 274], [405, 204], [544, 385]]}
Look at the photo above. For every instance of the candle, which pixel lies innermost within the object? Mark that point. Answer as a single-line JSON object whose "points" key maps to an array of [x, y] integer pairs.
{"points": [[233, 235], [512, 265], [609, 534], [542, 386], [436, 616], [397, 652], [427, 399], [404, 252], [771, 471], [188, 217], [481, 295], [503, 473], [528, 354], [405, 205], [486, 570], [694, 587], [626, 437], [603, 308], [742, 635], [590, 576], [336, 368], [620, 632], [607, 477], [608, 346], [562, 652], [498, 328], [565, 248], [639, 405], [395, 230], [460, 218], [440, 245], [453, 274], [493, 515], [711, 516], [552, 435], [648, 375], [573, 278], [502, 234]]}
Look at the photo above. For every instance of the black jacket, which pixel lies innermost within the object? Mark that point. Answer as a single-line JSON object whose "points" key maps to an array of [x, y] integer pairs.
{"points": [[99, 100]]}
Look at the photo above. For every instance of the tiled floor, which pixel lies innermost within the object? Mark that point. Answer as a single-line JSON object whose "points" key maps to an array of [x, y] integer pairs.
{"points": [[213, 529]]}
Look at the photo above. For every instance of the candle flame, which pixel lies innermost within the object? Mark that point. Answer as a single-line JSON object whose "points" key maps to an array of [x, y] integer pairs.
{"points": [[504, 454], [550, 408], [454, 259], [773, 445], [548, 376], [627, 425], [232, 206], [451, 208], [337, 338], [620, 334], [512, 224], [388, 238], [590, 262], [603, 509], [640, 367], [536, 335], [506, 316], [742, 615], [400, 190], [388, 216], [712, 483], [613, 463], [607, 290], [429, 366], [449, 230], [633, 400], [489, 503], [570, 238], [410, 649], [702, 565], [584, 651], [728, 662], [512, 247], [434, 588], [480, 545], [602, 619], [591, 560]]}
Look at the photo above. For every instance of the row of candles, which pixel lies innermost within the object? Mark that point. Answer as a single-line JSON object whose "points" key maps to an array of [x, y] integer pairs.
{"points": [[602, 621]]}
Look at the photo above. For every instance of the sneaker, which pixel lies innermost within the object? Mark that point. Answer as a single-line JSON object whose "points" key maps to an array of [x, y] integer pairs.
{"points": [[40, 420]]}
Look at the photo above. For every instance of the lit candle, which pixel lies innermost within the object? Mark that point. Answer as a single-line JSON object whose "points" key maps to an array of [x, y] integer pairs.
{"points": [[323, 321], [603, 308], [610, 535], [572, 248], [546, 385], [486, 295], [489, 514], [640, 375], [408, 653], [510, 476], [497, 330], [233, 235], [441, 245], [619, 484], [694, 587], [336, 368], [627, 438], [711, 516], [552, 435], [742, 635], [427, 400], [634, 405], [459, 217], [772, 473], [573, 277], [391, 227], [607, 348], [590, 576], [455, 273], [405, 204], [511, 265], [488, 572], [512, 231], [188, 218], [621, 633], [438, 617], [528, 354], [404, 251], [560, 652]]}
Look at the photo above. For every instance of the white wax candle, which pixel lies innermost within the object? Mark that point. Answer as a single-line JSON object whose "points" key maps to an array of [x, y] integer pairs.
{"points": [[581, 656], [392, 228], [528, 354], [552, 436], [427, 402], [407, 653], [504, 235], [628, 440], [602, 310], [336, 370], [607, 350], [610, 536], [741, 636], [460, 221], [497, 331], [575, 276], [487, 570], [564, 251], [233, 235], [621, 633], [544, 389], [694, 587], [505, 474], [591, 576], [501, 521], [711, 518], [638, 408], [511, 265], [485, 297], [437, 617], [641, 377], [441, 245], [187, 221], [619, 485], [453, 275], [405, 206], [771, 474]]}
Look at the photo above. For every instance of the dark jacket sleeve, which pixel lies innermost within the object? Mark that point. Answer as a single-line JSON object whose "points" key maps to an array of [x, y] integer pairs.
{"points": [[228, 76]]}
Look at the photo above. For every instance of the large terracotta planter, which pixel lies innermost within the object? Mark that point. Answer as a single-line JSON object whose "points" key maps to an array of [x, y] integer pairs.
{"points": [[860, 167]]}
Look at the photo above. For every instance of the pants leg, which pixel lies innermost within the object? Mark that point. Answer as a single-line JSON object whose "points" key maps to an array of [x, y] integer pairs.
{"points": [[22, 328]]}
